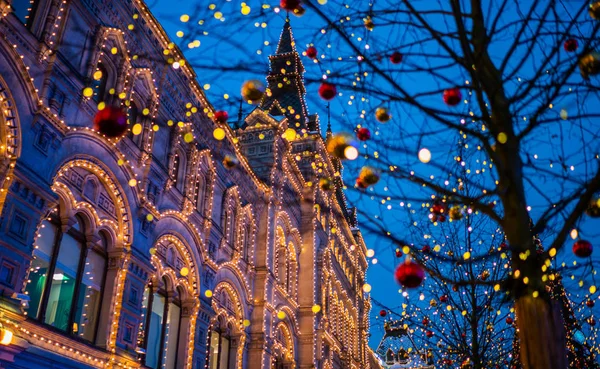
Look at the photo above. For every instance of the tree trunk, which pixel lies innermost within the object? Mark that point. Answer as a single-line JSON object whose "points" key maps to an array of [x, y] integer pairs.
{"points": [[541, 334]]}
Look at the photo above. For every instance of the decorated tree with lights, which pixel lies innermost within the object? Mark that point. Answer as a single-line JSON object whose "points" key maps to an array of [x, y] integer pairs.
{"points": [[517, 80]]}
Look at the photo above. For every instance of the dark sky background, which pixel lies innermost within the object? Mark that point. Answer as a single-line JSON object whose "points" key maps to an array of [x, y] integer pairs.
{"points": [[241, 43]]}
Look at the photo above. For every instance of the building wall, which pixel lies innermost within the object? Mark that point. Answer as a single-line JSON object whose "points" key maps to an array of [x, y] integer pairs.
{"points": [[153, 223]]}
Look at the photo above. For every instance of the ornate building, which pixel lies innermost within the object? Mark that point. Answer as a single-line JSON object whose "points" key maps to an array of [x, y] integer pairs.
{"points": [[147, 251]]}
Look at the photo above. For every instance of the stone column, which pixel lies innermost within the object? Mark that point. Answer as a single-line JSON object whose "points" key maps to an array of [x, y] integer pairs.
{"points": [[183, 349], [306, 283], [116, 262]]}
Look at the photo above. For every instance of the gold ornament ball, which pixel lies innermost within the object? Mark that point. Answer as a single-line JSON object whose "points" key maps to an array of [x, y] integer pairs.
{"points": [[595, 10], [382, 115], [456, 213], [589, 65], [253, 91]]}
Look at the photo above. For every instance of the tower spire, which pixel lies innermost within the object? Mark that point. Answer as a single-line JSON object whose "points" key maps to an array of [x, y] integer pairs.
{"points": [[286, 83]]}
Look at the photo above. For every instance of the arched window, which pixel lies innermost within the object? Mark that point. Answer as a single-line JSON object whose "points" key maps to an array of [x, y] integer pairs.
{"points": [[100, 81], [178, 170], [24, 10], [161, 331], [219, 354], [200, 193], [66, 279]]}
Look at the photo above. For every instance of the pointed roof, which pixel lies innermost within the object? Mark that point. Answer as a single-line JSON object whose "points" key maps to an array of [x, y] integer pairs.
{"points": [[286, 40], [285, 83]]}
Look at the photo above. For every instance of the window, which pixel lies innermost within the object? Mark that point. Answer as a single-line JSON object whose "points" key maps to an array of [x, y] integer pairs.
{"points": [[66, 280], [24, 10], [178, 171], [200, 193], [99, 83], [219, 353], [162, 329]]}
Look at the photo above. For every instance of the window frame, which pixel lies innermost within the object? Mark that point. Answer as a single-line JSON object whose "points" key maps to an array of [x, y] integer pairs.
{"points": [[79, 236], [173, 299]]}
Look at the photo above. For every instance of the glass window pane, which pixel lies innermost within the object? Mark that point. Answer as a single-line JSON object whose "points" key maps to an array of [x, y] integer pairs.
{"points": [[214, 350], [153, 348], [224, 362], [90, 298], [39, 267], [142, 330], [172, 334], [63, 283]]}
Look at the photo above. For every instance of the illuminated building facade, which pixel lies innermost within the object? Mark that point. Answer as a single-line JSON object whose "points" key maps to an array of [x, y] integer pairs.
{"points": [[147, 251]]}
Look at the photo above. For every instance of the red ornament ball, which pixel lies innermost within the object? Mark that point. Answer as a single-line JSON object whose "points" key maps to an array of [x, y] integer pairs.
{"points": [[590, 303], [426, 249], [111, 122], [399, 254], [396, 57], [425, 321], [592, 321], [571, 45], [409, 274], [382, 313], [363, 134], [311, 52], [444, 298], [509, 320], [452, 96], [582, 249], [429, 334], [289, 5], [327, 91], [221, 116]]}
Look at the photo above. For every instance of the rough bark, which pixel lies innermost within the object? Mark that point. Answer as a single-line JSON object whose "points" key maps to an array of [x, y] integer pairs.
{"points": [[541, 333]]}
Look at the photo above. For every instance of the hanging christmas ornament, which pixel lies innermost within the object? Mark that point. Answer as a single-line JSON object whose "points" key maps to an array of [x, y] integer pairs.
{"points": [[571, 45], [361, 184], [509, 320], [382, 115], [311, 52], [111, 122], [425, 321], [409, 274], [432, 303], [326, 184], [382, 313], [327, 91], [399, 253], [369, 25], [289, 5], [369, 175], [582, 249], [437, 212], [455, 212], [221, 116], [595, 9], [429, 334], [299, 11], [230, 161], [452, 96], [426, 249], [363, 134], [253, 91], [444, 298], [593, 209], [396, 57], [589, 65], [590, 303], [591, 321], [485, 275], [342, 146]]}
